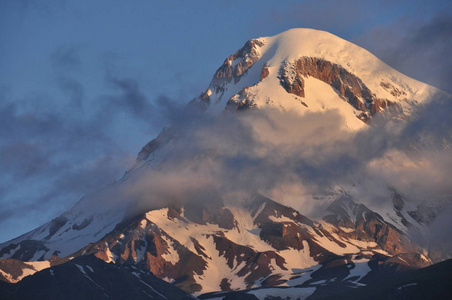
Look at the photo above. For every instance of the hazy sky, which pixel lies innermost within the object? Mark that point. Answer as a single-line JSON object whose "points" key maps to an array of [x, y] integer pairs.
{"points": [[85, 84]]}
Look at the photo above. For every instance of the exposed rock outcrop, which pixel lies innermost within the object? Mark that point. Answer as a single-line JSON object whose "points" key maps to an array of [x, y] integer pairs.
{"points": [[367, 225], [348, 86], [236, 65], [146, 245]]}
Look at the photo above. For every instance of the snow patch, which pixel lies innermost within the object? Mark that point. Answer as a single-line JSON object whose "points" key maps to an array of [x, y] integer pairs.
{"points": [[91, 269], [284, 293], [171, 255], [360, 269], [10, 253], [407, 285], [298, 259]]}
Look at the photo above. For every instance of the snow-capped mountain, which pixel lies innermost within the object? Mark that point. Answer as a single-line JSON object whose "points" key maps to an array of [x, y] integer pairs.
{"points": [[193, 215], [306, 70]]}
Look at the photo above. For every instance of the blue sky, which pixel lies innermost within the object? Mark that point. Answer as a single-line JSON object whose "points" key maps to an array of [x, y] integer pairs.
{"points": [[85, 84]]}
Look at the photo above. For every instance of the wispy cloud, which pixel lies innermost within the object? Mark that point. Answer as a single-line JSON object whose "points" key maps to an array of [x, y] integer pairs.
{"points": [[53, 155], [419, 49]]}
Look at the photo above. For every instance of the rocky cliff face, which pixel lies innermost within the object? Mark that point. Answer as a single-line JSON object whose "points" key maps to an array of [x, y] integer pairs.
{"points": [[349, 87], [364, 224], [232, 70], [236, 65]]}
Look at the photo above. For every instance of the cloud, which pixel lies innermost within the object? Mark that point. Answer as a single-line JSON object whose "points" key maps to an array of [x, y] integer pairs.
{"points": [[259, 151], [131, 98], [236, 153], [54, 151], [418, 49], [292, 158], [426, 140], [73, 89], [51, 160], [127, 98], [67, 58], [44, 144]]}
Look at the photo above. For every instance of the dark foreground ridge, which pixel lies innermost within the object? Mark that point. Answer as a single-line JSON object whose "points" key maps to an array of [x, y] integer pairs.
{"points": [[433, 282], [87, 277]]}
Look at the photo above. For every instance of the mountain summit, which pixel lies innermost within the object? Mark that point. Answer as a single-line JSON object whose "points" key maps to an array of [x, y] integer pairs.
{"points": [[306, 70], [271, 182]]}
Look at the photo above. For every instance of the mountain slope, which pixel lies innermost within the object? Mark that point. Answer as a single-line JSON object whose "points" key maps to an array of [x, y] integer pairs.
{"points": [[260, 244], [258, 187]]}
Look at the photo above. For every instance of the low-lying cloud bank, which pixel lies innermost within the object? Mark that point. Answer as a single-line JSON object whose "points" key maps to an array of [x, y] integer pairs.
{"points": [[297, 159]]}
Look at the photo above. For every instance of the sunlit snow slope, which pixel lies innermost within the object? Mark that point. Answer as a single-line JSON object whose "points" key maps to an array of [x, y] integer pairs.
{"points": [[287, 70]]}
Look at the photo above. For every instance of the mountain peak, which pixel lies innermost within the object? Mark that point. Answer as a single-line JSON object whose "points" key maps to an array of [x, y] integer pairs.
{"points": [[235, 201], [307, 70]]}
